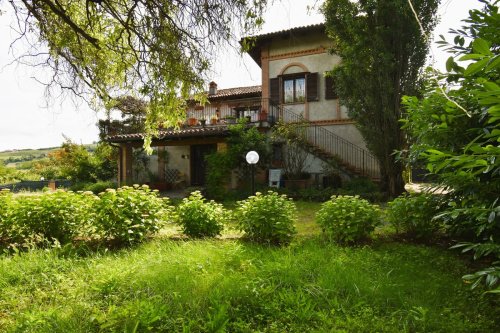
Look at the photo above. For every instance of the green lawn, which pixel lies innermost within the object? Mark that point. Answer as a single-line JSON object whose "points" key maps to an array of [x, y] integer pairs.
{"points": [[175, 285]]}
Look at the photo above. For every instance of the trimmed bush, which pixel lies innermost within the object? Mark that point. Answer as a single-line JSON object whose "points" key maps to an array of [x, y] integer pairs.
{"points": [[413, 215], [268, 218], [130, 214], [347, 219], [200, 218]]}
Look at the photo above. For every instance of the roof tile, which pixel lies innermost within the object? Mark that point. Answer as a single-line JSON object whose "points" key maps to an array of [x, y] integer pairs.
{"points": [[219, 130]]}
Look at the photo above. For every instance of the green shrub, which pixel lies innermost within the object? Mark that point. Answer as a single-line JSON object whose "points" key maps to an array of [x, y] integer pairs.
{"points": [[267, 218], [347, 219], [96, 188], [361, 185], [200, 218], [58, 215], [130, 214], [413, 215]]}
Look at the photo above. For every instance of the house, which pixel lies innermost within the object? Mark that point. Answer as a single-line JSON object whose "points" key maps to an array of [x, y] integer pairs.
{"points": [[294, 88]]}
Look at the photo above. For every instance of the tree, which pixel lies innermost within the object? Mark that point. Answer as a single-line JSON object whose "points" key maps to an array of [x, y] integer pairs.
{"points": [[75, 162], [156, 50], [455, 131], [133, 113], [383, 48]]}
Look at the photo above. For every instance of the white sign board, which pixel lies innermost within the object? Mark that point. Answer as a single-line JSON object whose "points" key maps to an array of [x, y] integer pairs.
{"points": [[274, 177]]}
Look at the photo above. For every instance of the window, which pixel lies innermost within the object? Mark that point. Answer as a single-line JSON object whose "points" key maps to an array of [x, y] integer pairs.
{"points": [[294, 90]]}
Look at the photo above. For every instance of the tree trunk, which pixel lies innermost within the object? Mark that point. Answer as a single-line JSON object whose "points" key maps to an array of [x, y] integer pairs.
{"points": [[392, 179]]}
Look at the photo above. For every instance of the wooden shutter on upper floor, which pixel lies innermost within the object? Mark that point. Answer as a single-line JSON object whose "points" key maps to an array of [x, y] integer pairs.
{"points": [[274, 90], [330, 90], [312, 87]]}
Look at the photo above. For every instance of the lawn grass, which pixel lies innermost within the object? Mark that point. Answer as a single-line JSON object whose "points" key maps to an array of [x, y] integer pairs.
{"points": [[175, 285]]}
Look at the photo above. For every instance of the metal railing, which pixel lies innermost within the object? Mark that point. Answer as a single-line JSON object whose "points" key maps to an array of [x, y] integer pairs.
{"points": [[327, 144]]}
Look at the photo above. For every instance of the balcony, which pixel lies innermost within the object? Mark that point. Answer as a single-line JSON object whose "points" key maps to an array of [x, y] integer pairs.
{"points": [[225, 114]]}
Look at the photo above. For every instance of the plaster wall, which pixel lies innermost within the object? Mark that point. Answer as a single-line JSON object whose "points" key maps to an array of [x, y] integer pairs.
{"points": [[175, 160], [315, 63], [349, 132]]}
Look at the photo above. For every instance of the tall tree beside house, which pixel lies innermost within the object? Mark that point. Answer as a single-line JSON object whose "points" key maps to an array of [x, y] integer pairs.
{"points": [[383, 49], [158, 50]]}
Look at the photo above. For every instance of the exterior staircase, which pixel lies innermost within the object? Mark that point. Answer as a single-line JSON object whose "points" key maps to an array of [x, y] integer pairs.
{"points": [[326, 145]]}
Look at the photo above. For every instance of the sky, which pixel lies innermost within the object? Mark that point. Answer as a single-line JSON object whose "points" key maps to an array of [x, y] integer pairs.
{"points": [[28, 121]]}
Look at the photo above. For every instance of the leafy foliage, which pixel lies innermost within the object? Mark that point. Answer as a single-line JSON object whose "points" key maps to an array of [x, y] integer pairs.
{"points": [[455, 134], [382, 50], [199, 218], [53, 216], [414, 215], [7, 174], [6, 208], [130, 214], [347, 219], [267, 218], [241, 140], [157, 51], [75, 162]]}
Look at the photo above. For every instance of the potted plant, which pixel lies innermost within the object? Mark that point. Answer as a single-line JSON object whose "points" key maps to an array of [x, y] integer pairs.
{"points": [[192, 121]]}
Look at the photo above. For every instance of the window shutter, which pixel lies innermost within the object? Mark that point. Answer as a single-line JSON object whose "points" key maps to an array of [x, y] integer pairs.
{"points": [[312, 87], [330, 90], [274, 87]]}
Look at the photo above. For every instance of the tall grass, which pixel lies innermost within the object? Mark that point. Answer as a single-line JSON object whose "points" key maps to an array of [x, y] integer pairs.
{"points": [[227, 285]]}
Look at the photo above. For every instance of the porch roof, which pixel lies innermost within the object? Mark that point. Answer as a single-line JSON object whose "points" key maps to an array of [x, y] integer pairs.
{"points": [[172, 134], [239, 92]]}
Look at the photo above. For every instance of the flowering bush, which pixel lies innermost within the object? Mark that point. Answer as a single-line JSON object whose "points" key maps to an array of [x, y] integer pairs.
{"points": [[58, 215], [268, 218], [347, 219], [199, 218], [130, 214]]}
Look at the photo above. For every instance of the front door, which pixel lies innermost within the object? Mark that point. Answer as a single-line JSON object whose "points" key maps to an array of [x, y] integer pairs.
{"points": [[198, 164]]}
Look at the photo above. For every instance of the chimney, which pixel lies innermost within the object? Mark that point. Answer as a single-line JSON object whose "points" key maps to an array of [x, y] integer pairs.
{"points": [[212, 88]]}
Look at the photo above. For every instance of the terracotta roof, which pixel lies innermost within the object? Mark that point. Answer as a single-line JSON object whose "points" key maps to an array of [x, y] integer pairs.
{"points": [[254, 51], [198, 131], [238, 92]]}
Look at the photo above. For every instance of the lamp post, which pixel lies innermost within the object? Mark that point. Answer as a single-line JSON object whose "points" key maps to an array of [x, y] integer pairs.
{"points": [[252, 159]]}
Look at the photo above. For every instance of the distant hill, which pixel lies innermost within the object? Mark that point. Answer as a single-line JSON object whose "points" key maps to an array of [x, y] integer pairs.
{"points": [[14, 156]]}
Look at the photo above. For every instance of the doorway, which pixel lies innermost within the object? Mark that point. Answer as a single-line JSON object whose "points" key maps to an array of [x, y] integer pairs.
{"points": [[198, 163]]}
